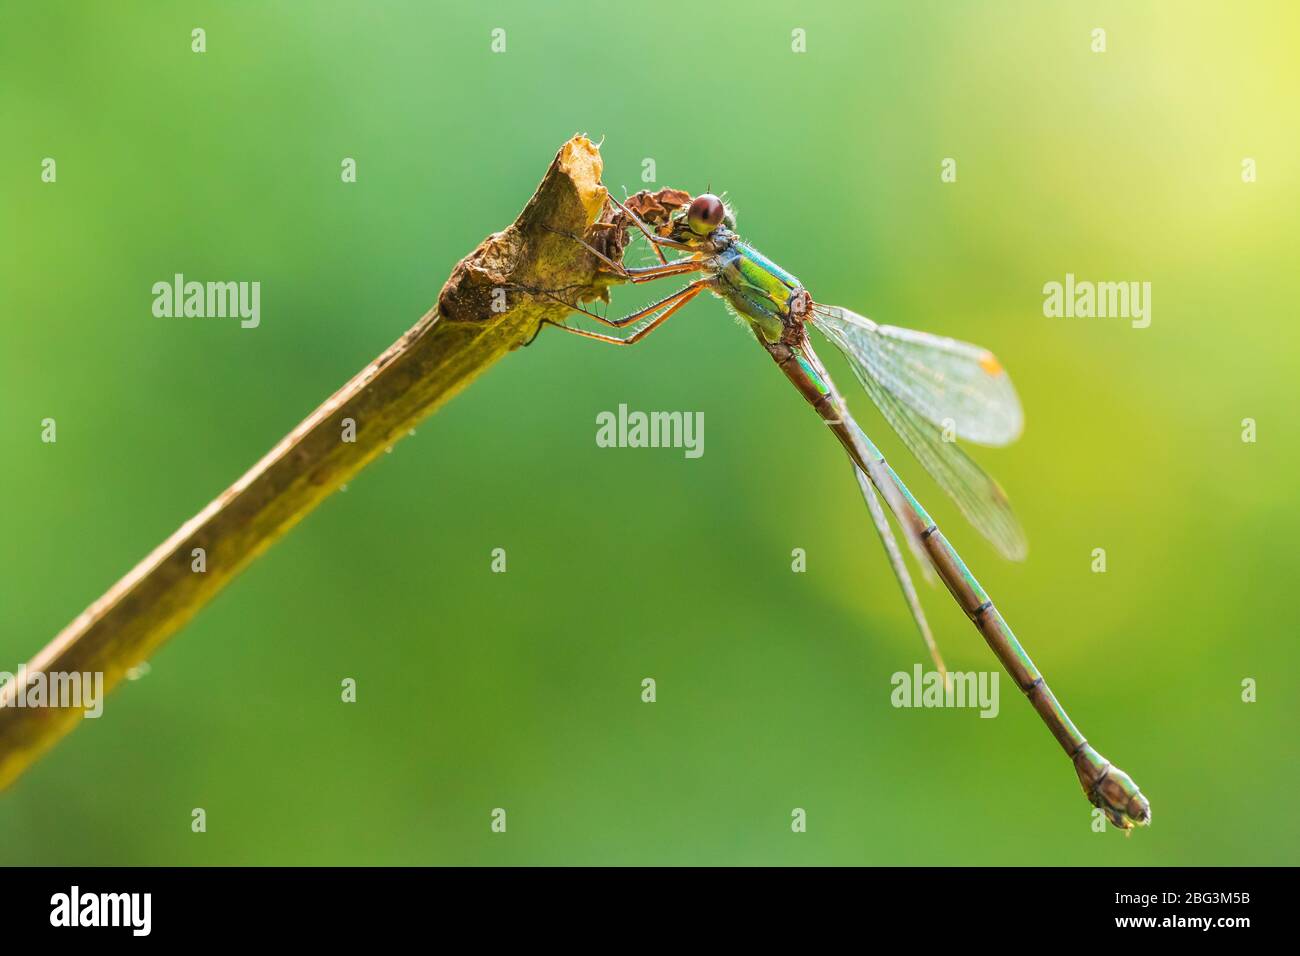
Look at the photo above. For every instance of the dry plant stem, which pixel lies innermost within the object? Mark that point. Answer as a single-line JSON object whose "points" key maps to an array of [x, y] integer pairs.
{"points": [[456, 340]]}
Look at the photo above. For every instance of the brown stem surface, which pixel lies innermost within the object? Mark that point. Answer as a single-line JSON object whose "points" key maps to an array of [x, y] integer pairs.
{"points": [[488, 307]]}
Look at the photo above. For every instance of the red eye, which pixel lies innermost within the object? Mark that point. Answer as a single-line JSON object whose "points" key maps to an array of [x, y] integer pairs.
{"points": [[705, 214]]}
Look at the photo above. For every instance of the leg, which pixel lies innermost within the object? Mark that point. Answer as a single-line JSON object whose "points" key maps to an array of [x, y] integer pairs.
{"points": [[627, 319], [677, 267], [658, 252], [665, 307], [655, 240], [638, 274]]}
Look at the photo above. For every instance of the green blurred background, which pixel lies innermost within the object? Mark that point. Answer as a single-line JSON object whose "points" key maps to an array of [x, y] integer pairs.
{"points": [[522, 690]]}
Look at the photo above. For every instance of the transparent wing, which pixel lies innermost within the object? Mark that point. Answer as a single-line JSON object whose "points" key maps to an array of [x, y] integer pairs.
{"points": [[942, 380], [886, 533], [889, 491], [978, 496]]}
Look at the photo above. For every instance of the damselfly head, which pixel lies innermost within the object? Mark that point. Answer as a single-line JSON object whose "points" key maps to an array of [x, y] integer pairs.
{"points": [[705, 214]]}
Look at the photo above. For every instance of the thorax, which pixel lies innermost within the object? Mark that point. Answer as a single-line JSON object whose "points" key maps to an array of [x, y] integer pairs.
{"points": [[756, 287]]}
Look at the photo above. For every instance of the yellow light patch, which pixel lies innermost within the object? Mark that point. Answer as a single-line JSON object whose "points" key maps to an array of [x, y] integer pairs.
{"points": [[989, 362]]}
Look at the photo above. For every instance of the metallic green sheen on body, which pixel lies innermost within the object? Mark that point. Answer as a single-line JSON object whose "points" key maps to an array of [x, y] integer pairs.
{"points": [[822, 385], [761, 270], [756, 287]]}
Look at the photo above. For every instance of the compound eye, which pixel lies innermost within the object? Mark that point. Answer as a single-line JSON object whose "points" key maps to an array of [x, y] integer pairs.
{"points": [[705, 214]]}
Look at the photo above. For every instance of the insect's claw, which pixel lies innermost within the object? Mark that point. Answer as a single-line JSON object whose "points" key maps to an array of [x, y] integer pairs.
{"points": [[538, 331], [627, 212], [561, 232], [615, 267]]}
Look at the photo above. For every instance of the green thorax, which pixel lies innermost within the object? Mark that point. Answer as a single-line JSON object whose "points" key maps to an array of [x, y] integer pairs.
{"points": [[756, 287]]}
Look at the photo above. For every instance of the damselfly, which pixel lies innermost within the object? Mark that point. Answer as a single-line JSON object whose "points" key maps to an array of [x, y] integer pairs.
{"points": [[931, 390]]}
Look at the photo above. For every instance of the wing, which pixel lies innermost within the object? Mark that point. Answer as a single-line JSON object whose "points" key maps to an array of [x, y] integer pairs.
{"points": [[942, 380], [978, 496], [900, 569]]}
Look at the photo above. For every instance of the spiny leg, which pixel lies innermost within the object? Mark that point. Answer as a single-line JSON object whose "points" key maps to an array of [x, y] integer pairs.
{"points": [[677, 267], [655, 240], [625, 320], [668, 305], [637, 273], [657, 251]]}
